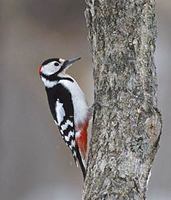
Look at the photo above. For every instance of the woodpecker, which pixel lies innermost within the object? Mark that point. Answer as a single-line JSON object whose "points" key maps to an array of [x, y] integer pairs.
{"points": [[68, 106]]}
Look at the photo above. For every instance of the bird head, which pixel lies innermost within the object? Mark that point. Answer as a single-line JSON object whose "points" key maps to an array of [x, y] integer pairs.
{"points": [[55, 66]]}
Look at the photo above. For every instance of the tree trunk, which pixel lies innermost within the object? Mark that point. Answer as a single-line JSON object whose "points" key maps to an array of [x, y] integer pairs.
{"points": [[126, 122]]}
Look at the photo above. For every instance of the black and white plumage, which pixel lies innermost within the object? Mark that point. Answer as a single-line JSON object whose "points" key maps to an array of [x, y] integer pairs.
{"points": [[67, 105]]}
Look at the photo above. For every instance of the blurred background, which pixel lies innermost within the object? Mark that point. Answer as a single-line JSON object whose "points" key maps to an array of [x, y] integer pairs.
{"points": [[34, 162]]}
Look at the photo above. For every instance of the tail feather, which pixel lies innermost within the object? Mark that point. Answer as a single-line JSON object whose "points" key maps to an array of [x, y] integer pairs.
{"points": [[81, 146], [81, 162]]}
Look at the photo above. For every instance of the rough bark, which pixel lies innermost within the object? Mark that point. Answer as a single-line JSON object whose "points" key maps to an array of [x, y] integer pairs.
{"points": [[126, 123]]}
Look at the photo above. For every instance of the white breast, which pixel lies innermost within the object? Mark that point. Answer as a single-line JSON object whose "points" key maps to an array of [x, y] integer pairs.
{"points": [[79, 102]]}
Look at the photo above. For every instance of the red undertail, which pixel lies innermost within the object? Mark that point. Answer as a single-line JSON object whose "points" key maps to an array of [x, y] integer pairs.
{"points": [[82, 139]]}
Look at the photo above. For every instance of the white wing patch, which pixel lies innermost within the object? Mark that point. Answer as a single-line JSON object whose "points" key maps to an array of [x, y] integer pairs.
{"points": [[78, 99], [60, 112]]}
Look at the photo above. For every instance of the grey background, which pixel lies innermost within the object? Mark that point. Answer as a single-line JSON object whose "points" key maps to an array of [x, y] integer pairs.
{"points": [[34, 162]]}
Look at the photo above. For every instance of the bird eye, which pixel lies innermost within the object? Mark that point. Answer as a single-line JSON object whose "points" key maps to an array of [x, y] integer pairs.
{"points": [[56, 64]]}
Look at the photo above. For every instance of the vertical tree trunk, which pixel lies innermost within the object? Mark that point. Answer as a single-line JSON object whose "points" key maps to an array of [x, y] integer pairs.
{"points": [[126, 124]]}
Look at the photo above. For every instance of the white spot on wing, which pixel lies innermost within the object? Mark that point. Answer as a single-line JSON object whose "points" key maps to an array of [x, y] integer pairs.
{"points": [[73, 143], [60, 112], [71, 133], [67, 123], [64, 127], [66, 138]]}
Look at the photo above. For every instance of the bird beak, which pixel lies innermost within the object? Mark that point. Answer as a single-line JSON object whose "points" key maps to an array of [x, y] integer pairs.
{"points": [[69, 62]]}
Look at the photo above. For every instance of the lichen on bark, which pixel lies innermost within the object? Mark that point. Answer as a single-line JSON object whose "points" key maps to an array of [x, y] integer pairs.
{"points": [[126, 123]]}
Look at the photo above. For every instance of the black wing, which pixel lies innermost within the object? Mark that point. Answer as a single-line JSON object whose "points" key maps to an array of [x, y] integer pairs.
{"points": [[61, 106]]}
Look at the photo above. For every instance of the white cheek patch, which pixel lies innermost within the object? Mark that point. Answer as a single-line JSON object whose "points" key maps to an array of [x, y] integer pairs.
{"points": [[60, 112], [49, 84], [50, 68]]}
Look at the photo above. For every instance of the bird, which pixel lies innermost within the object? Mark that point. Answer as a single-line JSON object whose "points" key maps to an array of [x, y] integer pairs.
{"points": [[68, 106]]}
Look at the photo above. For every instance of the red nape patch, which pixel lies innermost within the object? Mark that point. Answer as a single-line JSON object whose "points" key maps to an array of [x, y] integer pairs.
{"points": [[39, 69]]}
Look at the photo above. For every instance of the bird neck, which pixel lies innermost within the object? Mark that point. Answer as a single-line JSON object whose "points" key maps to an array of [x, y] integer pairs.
{"points": [[52, 80]]}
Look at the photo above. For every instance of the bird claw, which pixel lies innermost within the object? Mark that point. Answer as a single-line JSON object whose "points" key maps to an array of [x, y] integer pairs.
{"points": [[95, 105]]}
